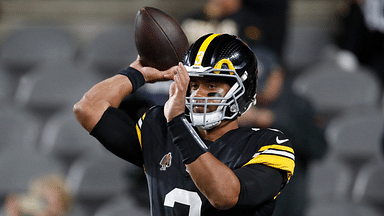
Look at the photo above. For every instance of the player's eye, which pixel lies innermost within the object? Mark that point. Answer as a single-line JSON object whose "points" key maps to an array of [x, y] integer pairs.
{"points": [[193, 86]]}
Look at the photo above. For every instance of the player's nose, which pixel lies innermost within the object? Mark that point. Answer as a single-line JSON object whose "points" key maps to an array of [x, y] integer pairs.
{"points": [[200, 91]]}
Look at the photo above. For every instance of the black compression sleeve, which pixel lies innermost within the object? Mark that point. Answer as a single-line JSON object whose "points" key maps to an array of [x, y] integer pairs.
{"points": [[258, 183], [117, 132], [186, 139]]}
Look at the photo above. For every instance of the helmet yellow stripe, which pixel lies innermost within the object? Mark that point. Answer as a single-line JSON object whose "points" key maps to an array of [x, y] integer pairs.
{"points": [[203, 48]]}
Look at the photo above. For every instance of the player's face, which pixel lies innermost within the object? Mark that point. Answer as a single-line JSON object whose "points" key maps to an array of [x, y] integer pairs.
{"points": [[207, 87]]}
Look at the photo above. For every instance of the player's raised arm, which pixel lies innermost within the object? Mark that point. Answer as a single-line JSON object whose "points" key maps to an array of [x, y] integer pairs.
{"points": [[110, 92]]}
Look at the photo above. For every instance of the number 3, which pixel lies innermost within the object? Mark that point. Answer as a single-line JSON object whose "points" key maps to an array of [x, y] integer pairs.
{"points": [[184, 197], [199, 58]]}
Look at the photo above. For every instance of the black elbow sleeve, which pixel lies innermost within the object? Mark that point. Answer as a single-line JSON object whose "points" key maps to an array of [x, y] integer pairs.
{"points": [[117, 133]]}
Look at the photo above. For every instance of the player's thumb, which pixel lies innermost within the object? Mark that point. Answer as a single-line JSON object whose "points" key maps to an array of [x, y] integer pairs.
{"points": [[172, 89]]}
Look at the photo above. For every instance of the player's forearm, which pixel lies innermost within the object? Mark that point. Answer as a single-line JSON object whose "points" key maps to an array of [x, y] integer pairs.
{"points": [[109, 92], [215, 180]]}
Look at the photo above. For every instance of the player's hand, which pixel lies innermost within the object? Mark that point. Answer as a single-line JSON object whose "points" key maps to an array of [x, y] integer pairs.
{"points": [[177, 93], [152, 75]]}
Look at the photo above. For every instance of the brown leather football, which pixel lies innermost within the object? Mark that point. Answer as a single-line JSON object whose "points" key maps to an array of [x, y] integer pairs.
{"points": [[160, 40]]}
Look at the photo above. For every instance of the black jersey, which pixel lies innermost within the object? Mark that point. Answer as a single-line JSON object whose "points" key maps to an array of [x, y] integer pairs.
{"points": [[172, 191]]}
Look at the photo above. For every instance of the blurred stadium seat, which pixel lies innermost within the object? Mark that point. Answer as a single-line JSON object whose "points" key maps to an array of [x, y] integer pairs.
{"points": [[332, 88], [111, 50], [369, 187], [329, 180], [18, 128], [65, 139], [355, 135], [96, 178], [7, 86], [28, 47], [77, 210], [341, 209], [303, 45], [51, 87], [18, 166], [121, 205]]}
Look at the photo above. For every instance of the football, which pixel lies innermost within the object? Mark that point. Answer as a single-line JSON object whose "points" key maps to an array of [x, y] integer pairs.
{"points": [[160, 40]]}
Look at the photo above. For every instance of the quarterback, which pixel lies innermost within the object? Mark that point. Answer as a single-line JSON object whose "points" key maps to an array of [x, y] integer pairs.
{"points": [[197, 160]]}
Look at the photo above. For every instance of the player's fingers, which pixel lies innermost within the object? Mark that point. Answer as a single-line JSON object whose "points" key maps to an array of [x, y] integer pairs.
{"points": [[183, 74], [176, 78], [181, 81], [170, 73], [183, 71]]}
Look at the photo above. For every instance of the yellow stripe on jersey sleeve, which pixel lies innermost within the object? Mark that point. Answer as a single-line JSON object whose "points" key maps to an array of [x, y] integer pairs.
{"points": [[138, 130], [276, 156]]}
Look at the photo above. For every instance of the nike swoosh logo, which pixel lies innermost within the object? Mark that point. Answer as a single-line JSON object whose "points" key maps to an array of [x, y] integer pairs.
{"points": [[279, 141]]}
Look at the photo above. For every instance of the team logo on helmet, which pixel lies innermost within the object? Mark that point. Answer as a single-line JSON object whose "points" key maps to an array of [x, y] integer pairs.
{"points": [[166, 161]]}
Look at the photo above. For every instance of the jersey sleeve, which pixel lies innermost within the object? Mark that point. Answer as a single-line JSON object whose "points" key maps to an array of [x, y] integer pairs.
{"points": [[117, 133], [258, 183], [276, 151], [268, 170]]}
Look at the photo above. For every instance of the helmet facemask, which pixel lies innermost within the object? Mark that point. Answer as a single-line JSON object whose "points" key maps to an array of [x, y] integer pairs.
{"points": [[227, 106]]}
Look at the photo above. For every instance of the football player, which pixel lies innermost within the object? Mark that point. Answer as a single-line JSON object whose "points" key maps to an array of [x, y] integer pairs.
{"points": [[196, 158]]}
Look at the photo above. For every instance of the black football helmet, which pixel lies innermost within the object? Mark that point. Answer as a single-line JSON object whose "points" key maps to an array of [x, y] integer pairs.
{"points": [[226, 56]]}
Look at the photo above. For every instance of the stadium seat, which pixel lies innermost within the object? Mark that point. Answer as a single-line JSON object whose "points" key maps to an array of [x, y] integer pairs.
{"points": [[18, 166], [329, 180], [64, 138], [28, 47], [111, 50], [18, 128], [369, 187], [97, 178], [77, 210], [50, 87], [7, 86], [332, 88], [341, 209], [355, 135], [303, 45], [121, 205]]}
